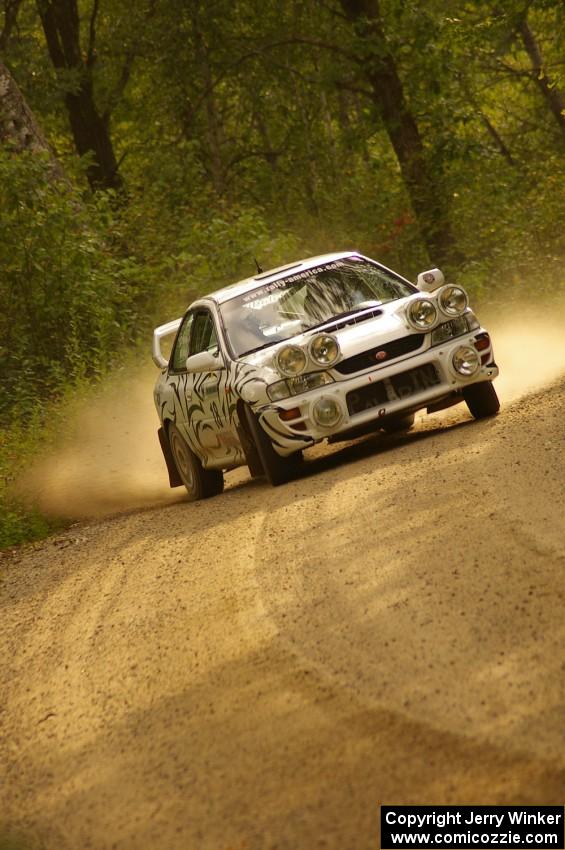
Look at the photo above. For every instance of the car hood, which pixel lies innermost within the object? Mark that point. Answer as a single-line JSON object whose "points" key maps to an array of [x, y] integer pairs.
{"points": [[365, 332]]}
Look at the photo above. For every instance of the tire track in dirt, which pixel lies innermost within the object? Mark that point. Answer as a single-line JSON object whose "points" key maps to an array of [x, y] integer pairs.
{"points": [[249, 672]]}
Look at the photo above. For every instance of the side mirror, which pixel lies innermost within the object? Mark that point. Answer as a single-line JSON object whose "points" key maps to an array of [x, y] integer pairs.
{"points": [[204, 361], [430, 280]]}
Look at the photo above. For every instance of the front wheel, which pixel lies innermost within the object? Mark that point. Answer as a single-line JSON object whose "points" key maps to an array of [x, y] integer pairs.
{"points": [[200, 483], [481, 399], [278, 470]]}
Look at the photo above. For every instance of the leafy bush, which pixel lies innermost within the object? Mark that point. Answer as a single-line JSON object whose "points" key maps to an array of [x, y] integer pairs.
{"points": [[83, 280], [69, 297]]}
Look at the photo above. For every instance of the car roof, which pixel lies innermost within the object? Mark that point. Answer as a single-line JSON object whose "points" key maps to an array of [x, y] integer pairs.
{"points": [[251, 283]]}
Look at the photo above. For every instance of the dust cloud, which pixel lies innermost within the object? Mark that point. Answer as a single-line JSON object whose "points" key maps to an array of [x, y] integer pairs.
{"points": [[529, 348], [110, 459]]}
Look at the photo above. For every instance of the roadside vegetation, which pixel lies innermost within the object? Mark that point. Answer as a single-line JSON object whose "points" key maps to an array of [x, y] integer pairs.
{"points": [[150, 152]]}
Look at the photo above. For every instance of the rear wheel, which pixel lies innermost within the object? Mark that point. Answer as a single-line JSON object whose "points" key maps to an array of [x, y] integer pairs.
{"points": [[278, 470], [200, 483], [399, 424], [481, 399]]}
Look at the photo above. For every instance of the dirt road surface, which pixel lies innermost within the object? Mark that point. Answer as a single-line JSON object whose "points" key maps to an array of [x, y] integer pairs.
{"points": [[262, 669]]}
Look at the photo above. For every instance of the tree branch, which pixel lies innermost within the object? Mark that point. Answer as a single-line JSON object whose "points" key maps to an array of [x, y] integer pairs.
{"points": [[91, 52], [125, 74], [131, 56]]}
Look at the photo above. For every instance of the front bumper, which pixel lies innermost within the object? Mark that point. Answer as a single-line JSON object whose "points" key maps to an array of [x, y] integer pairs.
{"points": [[290, 435]]}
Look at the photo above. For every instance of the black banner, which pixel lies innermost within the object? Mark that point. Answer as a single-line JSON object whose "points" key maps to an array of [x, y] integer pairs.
{"points": [[478, 827]]}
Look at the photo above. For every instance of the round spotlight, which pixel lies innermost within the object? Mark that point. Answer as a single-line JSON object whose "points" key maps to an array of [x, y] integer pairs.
{"points": [[324, 349], [290, 360], [422, 314], [453, 300], [326, 412], [466, 361]]}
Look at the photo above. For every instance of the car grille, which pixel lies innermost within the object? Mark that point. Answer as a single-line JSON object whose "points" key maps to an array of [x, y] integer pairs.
{"points": [[399, 386], [368, 359]]}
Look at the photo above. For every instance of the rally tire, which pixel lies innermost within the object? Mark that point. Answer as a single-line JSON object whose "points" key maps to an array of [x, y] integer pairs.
{"points": [[481, 399], [277, 469], [200, 483]]}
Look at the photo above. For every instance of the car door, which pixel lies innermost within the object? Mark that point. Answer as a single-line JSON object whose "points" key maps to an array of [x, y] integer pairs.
{"points": [[211, 422], [179, 383]]}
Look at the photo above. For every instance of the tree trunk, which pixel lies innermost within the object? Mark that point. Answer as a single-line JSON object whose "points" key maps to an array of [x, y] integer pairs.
{"points": [[214, 132], [380, 70], [18, 128], [548, 88], [19, 131], [11, 8], [89, 127]]}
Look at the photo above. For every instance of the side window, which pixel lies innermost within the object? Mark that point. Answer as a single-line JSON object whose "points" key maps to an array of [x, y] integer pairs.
{"points": [[203, 336], [180, 351]]}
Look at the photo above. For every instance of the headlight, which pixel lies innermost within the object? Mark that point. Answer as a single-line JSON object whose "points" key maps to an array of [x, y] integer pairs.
{"points": [[449, 330], [326, 412], [466, 361], [324, 349], [300, 384], [422, 313], [290, 360], [453, 300]]}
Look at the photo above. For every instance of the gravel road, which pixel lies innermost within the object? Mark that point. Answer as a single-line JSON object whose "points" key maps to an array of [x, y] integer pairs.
{"points": [[260, 670]]}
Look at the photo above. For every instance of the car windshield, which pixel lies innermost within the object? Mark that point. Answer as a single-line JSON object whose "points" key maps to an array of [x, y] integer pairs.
{"points": [[281, 309]]}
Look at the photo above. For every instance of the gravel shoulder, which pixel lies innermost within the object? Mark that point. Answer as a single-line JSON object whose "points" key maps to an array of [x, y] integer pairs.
{"points": [[262, 669]]}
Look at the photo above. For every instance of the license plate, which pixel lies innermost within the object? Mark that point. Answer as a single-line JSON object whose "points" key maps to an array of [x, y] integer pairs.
{"points": [[414, 381], [392, 389]]}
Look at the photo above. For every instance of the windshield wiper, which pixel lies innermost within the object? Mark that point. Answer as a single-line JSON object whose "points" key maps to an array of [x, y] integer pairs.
{"points": [[258, 348]]}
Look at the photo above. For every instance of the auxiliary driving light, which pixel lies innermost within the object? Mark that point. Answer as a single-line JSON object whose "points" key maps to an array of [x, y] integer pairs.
{"points": [[422, 314], [453, 300], [324, 349], [326, 412], [466, 361], [290, 360]]}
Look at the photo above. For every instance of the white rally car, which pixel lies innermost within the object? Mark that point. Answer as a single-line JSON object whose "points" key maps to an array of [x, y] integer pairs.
{"points": [[330, 347]]}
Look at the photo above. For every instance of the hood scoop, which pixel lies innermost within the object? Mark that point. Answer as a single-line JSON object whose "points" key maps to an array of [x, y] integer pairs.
{"points": [[350, 319]]}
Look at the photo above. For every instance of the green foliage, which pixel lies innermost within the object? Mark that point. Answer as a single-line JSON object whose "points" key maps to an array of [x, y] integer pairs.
{"points": [[19, 444], [70, 296], [21, 523]]}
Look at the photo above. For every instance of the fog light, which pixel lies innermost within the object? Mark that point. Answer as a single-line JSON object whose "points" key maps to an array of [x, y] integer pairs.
{"points": [[466, 361], [326, 412]]}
